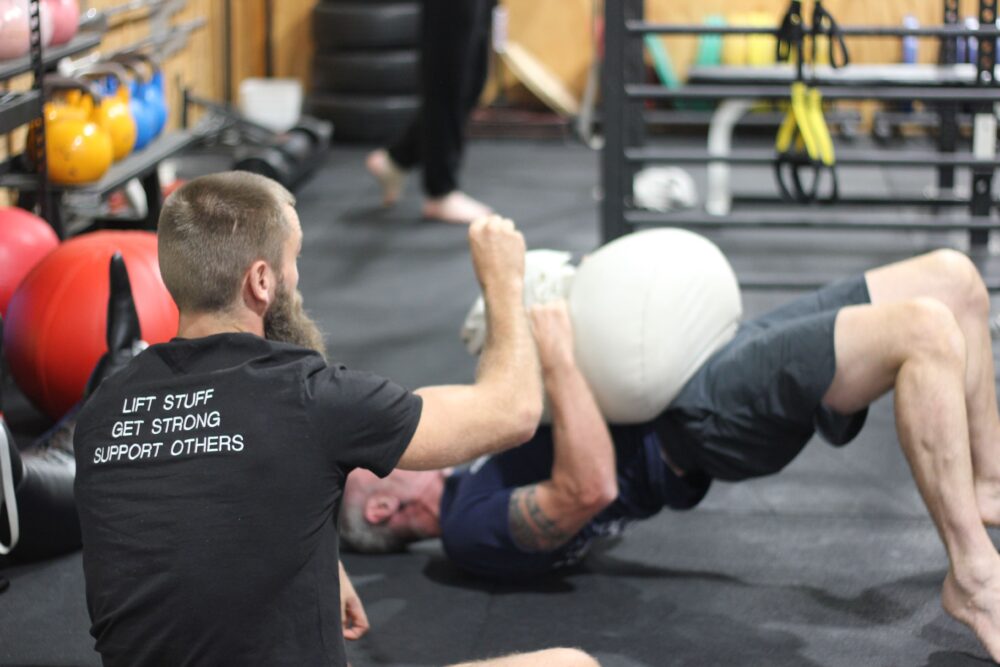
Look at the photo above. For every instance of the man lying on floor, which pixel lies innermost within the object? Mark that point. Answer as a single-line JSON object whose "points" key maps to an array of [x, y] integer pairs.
{"points": [[919, 327]]}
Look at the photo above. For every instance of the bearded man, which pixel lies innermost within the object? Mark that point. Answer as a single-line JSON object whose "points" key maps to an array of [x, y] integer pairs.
{"points": [[210, 470]]}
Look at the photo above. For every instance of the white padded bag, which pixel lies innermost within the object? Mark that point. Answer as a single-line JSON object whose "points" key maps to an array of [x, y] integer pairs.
{"points": [[648, 309]]}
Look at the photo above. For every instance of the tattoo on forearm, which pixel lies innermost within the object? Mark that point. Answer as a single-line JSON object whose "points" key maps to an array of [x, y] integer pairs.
{"points": [[530, 527]]}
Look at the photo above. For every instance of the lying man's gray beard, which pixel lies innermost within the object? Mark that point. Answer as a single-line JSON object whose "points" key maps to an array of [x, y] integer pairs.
{"points": [[286, 322]]}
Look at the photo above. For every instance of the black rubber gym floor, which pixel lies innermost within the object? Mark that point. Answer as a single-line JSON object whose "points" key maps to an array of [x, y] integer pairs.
{"points": [[833, 562]]}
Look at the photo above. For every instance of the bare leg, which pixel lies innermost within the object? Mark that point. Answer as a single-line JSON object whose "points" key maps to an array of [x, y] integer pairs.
{"points": [[556, 657], [390, 176], [952, 279], [456, 206], [917, 347]]}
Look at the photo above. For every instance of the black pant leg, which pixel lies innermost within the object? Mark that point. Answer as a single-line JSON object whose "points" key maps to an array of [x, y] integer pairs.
{"points": [[405, 152], [454, 67], [455, 39]]}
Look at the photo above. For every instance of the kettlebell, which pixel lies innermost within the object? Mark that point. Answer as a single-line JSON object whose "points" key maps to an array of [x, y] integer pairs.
{"points": [[14, 29], [65, 19], [144, 117], [152, 90], [77, 149], [113, 112], [18, 40], [159, 94]]}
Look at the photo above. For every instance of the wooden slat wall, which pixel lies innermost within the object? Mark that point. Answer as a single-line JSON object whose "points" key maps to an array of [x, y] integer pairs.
{"points": [[557, 32], [847, 12]]}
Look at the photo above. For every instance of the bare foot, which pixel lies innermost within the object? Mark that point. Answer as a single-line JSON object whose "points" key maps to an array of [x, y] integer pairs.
{"points": [[456, 207], [390, 176], [976, 606]]}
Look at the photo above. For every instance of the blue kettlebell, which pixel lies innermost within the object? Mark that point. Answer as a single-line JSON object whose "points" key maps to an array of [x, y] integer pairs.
{"points": [[152, 90], [156, 97], [146, 118]]}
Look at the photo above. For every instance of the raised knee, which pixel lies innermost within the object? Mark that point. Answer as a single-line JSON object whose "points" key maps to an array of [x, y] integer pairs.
{"points": [[931, 330], [962, 280]]}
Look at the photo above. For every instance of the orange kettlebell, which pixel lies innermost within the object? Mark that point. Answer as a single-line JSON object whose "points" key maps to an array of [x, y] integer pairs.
{"points": [[77, 149], [112, 112]]}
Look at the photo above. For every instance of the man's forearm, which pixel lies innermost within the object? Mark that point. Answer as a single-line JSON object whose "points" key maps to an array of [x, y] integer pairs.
{"points": [[508, 368], [584, 454], [501, 410]]}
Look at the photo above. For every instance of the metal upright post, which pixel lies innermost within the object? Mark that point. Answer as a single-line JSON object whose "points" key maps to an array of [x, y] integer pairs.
{"points": [[613, 101], [984, 134], [948, 111], [623, 123], [44, 197]]}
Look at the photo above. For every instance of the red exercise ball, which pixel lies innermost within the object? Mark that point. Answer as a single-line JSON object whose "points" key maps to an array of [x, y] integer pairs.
{"points": [[56, 322], [24, 240]]}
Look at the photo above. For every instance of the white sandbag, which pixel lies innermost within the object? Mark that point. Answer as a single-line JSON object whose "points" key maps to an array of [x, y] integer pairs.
{"points": [[648, 309], [547, 277]]}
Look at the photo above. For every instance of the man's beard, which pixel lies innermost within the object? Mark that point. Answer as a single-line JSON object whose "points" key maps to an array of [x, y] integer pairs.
{"points": [[286, 322]]}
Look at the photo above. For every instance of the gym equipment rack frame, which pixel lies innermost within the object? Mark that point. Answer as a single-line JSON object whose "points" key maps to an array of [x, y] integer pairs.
{"points": [[34, 188], [624, 125]]}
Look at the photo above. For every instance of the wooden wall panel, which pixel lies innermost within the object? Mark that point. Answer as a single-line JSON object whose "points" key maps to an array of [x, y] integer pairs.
{"points": [[292, 40], [557, 31], [249, 33]]}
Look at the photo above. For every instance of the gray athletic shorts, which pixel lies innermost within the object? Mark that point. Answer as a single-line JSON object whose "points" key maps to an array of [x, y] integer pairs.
{"points": [[756, 402]]}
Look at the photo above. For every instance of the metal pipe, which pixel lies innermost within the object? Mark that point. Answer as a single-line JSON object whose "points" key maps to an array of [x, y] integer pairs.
{"points": [[696, 92], [844, 157], [808, 220], [70, 67], [938, 200], [791, 283], [642, 28]]}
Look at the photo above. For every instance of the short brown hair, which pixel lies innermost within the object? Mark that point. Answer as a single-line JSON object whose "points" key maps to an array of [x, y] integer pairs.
{"points": [[212, 229]]}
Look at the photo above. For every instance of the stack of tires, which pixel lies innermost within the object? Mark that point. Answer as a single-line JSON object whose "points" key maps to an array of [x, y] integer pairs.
{"points": [[366, 72]]}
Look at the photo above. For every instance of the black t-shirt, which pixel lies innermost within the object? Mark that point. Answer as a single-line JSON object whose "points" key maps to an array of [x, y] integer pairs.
{"points": [[209, 475]]}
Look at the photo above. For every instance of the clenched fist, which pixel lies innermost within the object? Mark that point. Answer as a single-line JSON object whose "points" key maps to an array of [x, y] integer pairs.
{"points": [[553, 333], [497, 253]]}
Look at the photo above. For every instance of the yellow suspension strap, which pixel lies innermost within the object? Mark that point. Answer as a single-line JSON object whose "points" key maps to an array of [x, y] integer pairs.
{"points": [[803, 140], [795, 132], [824, 31]]}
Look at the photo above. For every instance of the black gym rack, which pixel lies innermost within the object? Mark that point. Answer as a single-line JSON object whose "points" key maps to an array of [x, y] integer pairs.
{"points": [[33, 186], [625, 121]]}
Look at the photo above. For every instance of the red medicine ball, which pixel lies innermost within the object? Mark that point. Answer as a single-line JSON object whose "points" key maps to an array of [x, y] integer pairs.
{"points": [[24, 240], [56, 322]]}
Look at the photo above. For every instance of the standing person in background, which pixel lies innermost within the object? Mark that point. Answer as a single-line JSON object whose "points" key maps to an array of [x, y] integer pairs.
{"points": [[454, 64]]}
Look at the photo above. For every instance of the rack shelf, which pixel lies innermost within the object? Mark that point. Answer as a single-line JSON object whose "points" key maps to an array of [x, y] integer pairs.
{"points": [[120, 173], [84, 41], [16, 109]]}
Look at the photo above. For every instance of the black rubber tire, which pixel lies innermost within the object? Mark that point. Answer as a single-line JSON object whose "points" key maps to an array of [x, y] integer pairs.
{"points": [[367, 118], [385, 72], [360, 25]]}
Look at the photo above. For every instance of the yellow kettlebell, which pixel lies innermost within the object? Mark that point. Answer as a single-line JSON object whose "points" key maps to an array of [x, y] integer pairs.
{"points": [[112, 112], [77, 149]]}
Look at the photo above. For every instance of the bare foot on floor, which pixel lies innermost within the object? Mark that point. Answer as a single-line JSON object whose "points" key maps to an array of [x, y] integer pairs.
{"points": [[456, 207], [390, 176], [978, 608]]}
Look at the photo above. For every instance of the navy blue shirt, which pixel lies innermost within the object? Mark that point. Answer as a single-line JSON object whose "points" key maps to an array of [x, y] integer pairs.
{"points": [[475, 530]]}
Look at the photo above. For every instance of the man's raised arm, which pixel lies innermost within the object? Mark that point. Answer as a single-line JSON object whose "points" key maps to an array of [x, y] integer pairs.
{"points": [[501, 410]]}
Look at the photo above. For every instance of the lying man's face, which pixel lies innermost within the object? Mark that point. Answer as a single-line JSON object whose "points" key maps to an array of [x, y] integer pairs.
{"points": [[386, 514]]}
